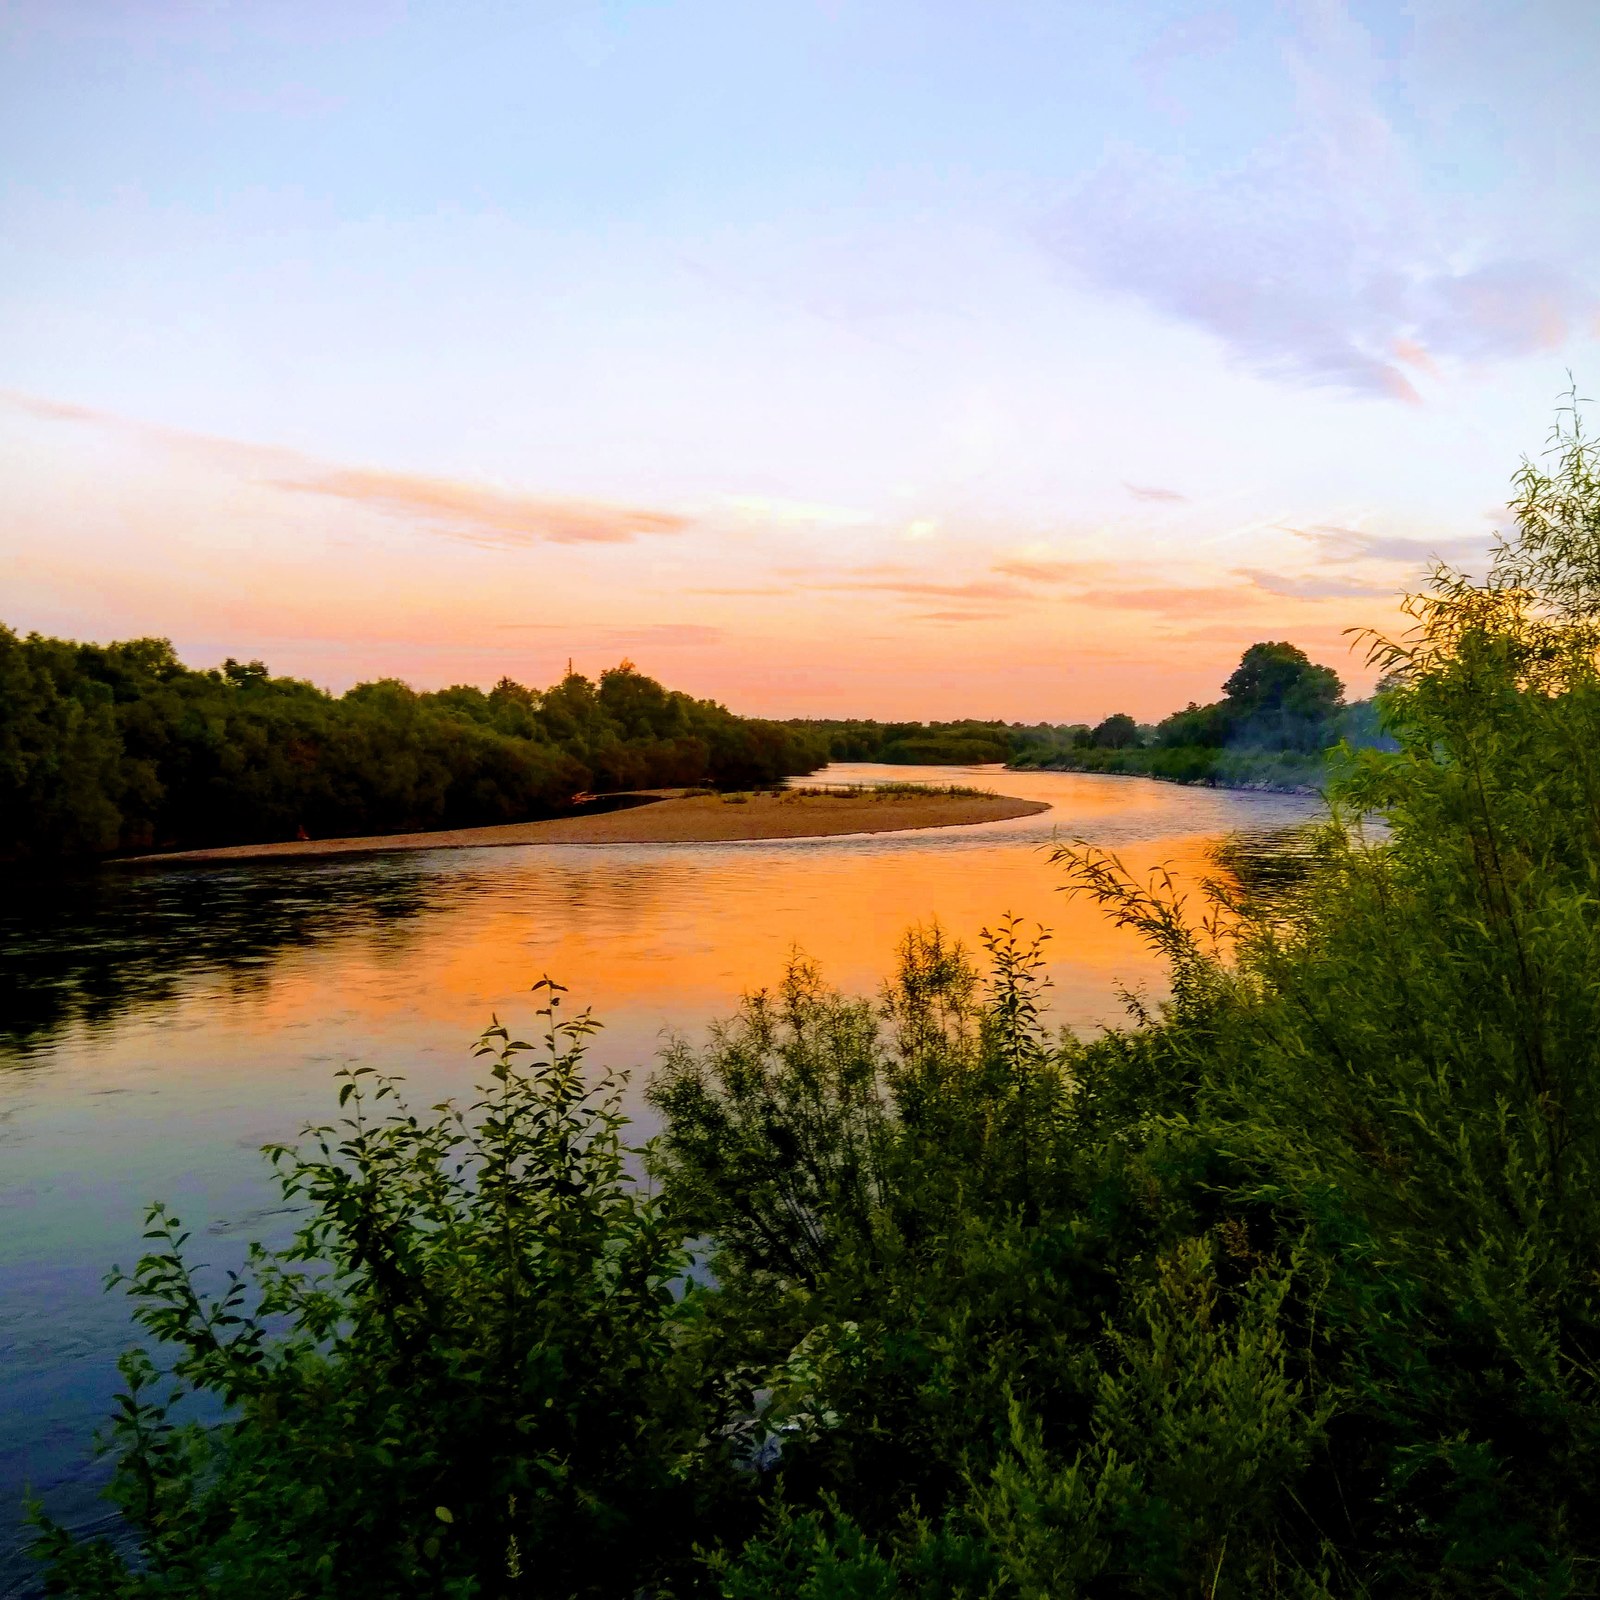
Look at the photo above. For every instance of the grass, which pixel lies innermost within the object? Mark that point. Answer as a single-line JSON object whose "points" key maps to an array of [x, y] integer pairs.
{"points": [[890, 791], [846, 791]]}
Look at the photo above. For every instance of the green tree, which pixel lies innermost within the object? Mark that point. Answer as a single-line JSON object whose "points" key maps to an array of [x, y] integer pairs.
{"points": [[1277, 693], [1117, 732]]}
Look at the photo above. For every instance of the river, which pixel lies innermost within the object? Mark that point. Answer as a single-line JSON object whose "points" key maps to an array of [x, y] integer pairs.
{"points": [[158, 1026]]}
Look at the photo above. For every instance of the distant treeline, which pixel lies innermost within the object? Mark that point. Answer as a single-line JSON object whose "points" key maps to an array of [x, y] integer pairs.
{"points": [[935, 744], [121, 746], [1278, 716], [913, 744]]}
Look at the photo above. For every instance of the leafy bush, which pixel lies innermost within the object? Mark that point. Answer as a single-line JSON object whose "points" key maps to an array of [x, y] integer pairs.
{"points": [[462, 1373]]}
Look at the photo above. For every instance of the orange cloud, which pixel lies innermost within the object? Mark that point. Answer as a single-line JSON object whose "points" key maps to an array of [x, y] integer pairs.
{"points": [[1397, 385], [476, 512], [768, 589], [1050, 571], [913, 588], [1415, 355], [489, 516], [49, 410], [1174, 601]]}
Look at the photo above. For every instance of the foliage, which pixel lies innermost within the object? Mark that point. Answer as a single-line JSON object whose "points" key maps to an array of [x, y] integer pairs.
{"points": [[1117, 732], [461, 1377], [120, 745], [1286, 1289], [1278, 715], [1277, 695], [1199, 764], [954, 744]]}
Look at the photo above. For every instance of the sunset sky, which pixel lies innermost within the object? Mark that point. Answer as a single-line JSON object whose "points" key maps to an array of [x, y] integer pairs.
{"points": [[852, 356]]}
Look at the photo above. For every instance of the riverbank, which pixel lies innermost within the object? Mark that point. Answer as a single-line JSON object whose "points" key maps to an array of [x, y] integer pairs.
{"points": [[672, 817], [1268, 771]]}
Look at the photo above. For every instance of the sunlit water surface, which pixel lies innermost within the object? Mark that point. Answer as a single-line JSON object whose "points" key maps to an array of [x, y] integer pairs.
{"points": [[158, 1026]]}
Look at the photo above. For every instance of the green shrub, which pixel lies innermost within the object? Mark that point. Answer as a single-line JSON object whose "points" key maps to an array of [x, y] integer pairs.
{"points": [[463, 1376]]}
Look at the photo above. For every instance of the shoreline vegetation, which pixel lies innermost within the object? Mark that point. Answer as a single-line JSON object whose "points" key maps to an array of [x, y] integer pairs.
{"points": [[119, 752], [1281, 724], [671, 817], [1279, 720], [1275, 771], [120, 748], [1284, 1290]]}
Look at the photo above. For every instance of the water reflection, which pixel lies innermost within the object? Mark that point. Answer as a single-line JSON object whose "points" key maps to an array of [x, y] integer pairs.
{"points": [[1269, 865], [85, 949], [172, 1022]]}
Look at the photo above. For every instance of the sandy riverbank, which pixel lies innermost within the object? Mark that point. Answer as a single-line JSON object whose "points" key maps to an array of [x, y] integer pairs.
{"points": [[671, 819]]}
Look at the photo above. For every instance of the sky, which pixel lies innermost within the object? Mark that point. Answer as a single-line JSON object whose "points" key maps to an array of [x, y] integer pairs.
{"points": [[824, 357]]}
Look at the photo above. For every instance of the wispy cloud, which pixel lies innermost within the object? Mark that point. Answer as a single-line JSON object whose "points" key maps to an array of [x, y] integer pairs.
{"points": [[923, 589], [1341, 545], [960, 616], [47, 410], [1174, 600], [1051, 571], [1317, 257], [487, 516], [794, 513], [1139, 492], [1313, 586], [478, 513]]}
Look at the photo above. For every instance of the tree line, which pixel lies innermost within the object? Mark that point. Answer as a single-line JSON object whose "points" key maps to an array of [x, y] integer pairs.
{"points": [[1284, 1289], [961, 743], [1279, 715], [120, 746]]}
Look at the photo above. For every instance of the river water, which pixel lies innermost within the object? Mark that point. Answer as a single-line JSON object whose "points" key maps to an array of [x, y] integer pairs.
{"points": [[157, 1026]]}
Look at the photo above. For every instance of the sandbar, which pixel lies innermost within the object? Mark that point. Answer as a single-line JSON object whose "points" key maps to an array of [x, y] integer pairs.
{"points": [[667, 818]]}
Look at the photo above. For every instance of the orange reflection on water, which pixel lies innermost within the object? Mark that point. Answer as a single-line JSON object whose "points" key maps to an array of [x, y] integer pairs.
{"points": [[667, 939], [655, 939]]}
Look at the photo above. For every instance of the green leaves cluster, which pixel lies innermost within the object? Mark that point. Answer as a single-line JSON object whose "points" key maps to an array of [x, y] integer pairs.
{"points": [[463, 1364]]}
